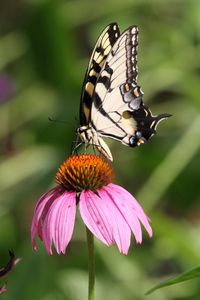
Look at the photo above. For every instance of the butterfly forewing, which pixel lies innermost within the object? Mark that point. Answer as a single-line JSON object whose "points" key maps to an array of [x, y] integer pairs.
{"points": [[101, 50], [109, 103]]}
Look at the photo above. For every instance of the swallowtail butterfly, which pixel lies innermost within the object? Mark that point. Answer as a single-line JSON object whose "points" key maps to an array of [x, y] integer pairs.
{"points": [[111, 101]]}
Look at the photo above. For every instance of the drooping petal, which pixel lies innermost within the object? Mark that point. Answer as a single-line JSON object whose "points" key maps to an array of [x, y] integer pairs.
{"points": [[65, 222], [130, 209], [44, 201], [120, 229], [95, 216], [59, 222]]}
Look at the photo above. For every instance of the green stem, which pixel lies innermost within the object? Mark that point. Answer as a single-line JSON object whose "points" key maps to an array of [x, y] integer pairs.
{"points": [[91, 264]]}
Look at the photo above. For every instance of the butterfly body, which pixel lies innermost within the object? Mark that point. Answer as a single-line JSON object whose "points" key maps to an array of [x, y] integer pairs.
{"points": [[111, 101]]}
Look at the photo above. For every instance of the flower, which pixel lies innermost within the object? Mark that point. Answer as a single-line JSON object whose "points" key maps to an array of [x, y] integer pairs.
{"points": [[109, 211]]}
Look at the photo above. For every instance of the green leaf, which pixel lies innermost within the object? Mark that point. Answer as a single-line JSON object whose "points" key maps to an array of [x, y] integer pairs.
{"points": [[195, 272]]}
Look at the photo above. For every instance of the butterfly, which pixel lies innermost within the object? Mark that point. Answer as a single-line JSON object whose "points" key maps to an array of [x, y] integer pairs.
{"points": [[111, 101]]}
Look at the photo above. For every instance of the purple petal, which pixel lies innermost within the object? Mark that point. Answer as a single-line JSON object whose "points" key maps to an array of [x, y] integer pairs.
{"points": [[47, 198], [65, 222], [130, 209], [95, 216], [54, 219], [120, 229], [59, 222]]}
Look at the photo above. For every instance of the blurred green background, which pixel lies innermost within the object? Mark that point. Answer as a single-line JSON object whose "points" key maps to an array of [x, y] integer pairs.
{"points": [[44, 50]]}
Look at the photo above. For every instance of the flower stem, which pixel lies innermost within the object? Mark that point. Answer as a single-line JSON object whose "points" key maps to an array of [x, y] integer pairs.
{"points": [[91, 264]]}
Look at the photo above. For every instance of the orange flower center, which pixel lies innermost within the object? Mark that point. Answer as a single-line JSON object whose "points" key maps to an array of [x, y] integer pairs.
{"points": [[84, 172]]}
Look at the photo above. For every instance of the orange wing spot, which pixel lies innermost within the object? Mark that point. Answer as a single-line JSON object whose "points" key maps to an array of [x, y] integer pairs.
{"points": [[126, 87], [140, 142], [135, 92]]}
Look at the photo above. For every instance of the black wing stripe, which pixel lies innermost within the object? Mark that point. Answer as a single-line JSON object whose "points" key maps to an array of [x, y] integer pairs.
{"points": [[97, 103]]}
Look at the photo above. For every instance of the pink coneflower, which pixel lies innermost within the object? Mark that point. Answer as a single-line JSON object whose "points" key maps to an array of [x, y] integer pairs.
{"points": [[109, 211]]}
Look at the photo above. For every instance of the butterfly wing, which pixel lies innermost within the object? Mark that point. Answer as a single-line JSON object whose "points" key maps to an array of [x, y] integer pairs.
{"points": [[111, 102], [117, 109], [101, 51], [116, 90]]}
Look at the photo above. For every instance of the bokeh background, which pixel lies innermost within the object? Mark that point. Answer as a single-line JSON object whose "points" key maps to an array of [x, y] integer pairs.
{"points": [[44, 50]]}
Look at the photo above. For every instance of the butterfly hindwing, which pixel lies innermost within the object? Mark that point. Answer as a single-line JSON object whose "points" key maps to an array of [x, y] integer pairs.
{"points": [[146, 122]]}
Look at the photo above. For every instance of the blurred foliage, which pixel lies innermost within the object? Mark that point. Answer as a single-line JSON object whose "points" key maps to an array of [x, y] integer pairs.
{"points": [[44, 50]]}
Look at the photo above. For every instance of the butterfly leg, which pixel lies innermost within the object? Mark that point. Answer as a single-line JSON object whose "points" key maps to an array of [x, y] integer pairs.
{"points": [[77, 144], [76, 147]]}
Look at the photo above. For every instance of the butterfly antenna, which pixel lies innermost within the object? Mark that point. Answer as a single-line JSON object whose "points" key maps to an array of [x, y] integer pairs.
{"points": [[57, 121]]}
